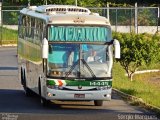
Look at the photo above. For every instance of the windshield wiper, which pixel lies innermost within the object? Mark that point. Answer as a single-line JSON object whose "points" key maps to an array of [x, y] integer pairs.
{"points": [[90, 70], [76, 63], [71, 68]]}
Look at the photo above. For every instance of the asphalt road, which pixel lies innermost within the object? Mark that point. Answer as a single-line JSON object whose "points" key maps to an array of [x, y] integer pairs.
{"points": [[14, 105]]}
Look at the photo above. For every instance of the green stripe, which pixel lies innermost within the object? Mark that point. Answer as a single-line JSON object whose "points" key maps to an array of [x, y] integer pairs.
{"points": [[83, 83]]}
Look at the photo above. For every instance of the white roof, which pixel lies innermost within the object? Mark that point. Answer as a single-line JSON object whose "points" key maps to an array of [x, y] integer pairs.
{"points": [[65, 14]]}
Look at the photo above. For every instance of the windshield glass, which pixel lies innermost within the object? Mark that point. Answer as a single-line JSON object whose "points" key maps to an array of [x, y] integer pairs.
{"points": [[79, 60]]}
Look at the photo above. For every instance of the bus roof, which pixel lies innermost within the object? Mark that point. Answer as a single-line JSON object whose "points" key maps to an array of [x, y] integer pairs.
{"points": [[65, 14]]}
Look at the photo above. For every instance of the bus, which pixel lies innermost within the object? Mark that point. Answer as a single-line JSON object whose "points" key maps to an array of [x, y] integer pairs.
{"points": [[65, 53]]}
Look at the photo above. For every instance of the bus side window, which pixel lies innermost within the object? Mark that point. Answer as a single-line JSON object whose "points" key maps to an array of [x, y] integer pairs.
{"points": [[21, 29], [32, 27]]}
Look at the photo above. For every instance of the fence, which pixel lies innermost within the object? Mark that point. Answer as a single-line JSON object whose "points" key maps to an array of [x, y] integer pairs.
{"points": [[134, 19]]}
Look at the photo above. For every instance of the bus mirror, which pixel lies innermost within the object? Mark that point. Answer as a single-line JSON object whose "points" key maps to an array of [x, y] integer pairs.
{"points": [[116, 48], [45, 48]]}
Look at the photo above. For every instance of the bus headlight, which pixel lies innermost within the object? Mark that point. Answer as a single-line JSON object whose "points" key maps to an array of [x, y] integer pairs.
{"points": [[49, 94]]}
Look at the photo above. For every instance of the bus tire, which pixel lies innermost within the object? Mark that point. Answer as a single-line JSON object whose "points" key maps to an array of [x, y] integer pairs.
{"points": [[27, 91], [22, 77], [43, 101], [98, 102]]}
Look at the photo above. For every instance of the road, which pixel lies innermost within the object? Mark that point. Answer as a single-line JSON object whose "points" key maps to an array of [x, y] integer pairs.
{"points": [[14, 105]]}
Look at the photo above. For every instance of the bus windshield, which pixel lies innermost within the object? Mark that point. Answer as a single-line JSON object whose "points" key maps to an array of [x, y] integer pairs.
{"points": [[76, 60]]}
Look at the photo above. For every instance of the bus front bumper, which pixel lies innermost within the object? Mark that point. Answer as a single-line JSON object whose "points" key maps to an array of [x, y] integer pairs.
{"points": [[53, 94]]}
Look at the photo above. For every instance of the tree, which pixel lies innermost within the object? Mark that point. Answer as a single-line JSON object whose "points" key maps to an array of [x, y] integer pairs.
{"points": [[137, 50]]}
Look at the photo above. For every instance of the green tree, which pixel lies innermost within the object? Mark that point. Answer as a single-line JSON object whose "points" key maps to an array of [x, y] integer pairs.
{"points": [[137, 50]]}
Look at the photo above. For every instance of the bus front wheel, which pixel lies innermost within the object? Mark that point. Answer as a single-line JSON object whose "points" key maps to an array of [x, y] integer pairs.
{"points": [[98, 102], [27, 91], [43, 101]]}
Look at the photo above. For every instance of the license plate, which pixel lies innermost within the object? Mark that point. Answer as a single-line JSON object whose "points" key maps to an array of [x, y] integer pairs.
{"points": [[79, 95]]}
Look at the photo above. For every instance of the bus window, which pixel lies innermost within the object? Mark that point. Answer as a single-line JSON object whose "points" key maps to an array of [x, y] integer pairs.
{"points": [[62, 55]]}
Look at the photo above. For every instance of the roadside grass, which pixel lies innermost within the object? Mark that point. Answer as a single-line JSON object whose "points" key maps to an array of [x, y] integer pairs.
{"points": [[150, 67], [142, 86], [9, 36]]}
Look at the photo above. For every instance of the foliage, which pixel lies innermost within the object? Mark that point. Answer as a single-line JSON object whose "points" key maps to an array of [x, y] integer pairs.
{"points": [[146, 17], [85, 3], [10, 17], [138, 50], [10, 14]]}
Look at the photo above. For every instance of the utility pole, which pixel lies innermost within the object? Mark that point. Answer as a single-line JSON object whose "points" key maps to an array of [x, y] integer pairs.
{"points": [[46, 2], [157, 19], [76, 2], [108, 11], [136, 19], [28, 3]]}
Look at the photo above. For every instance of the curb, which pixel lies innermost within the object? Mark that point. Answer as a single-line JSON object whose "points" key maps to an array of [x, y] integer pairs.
{"points": [[138, 101], [145, 71]]}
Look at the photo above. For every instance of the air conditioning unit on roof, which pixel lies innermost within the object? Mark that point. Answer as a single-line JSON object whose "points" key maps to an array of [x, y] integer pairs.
{"points": [[62, 9]]}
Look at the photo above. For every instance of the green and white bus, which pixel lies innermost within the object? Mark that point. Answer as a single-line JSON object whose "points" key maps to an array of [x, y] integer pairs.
{"points": [[65, 53]]}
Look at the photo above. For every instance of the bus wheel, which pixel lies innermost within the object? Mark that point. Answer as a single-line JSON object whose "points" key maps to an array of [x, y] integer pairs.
{"points": [[98, 102], [27, 91], [22, 77], [43, 101]]}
